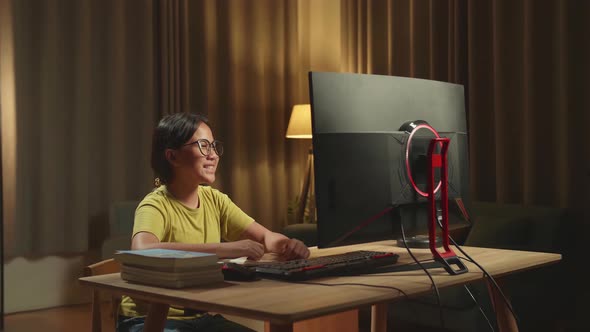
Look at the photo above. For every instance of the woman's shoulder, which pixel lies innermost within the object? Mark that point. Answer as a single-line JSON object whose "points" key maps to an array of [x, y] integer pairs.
{"points": [[210, 191], [157, 197], [212, 194]]}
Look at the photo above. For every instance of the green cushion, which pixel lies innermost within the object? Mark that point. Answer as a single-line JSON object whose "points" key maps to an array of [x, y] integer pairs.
{"points": [[517, 227], [121, 218], [307, 233]]}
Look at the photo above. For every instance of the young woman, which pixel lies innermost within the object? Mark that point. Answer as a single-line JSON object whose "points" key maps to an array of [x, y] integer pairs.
{"points": [[184, 213]]}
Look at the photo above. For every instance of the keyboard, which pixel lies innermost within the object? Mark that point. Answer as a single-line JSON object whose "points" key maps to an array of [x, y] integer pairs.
{"points": [[349, 263]]}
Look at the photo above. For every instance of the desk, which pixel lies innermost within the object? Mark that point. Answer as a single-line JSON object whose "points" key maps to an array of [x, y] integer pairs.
{"points": [[283, 303]]}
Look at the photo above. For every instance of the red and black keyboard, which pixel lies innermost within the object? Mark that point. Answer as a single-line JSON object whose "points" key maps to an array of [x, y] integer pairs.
{"points": [[349, 263]]}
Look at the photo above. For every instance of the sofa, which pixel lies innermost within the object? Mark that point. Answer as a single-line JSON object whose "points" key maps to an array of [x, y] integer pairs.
{"points": [[121, 215]]}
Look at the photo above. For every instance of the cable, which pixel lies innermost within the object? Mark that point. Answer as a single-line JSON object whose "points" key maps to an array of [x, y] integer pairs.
{"points": [[361, 225], [442, 321], [350, 284], [504, 298], [407, 298], [486, 274], [469, 259], [444, 306], [480, 308]]}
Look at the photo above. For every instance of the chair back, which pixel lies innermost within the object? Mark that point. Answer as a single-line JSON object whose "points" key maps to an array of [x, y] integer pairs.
{"points": [[103, 267]]}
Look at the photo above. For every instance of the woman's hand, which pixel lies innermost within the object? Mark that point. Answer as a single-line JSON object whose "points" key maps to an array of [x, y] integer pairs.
{"points": [[292, 249], [276, 243], [252, 249]]}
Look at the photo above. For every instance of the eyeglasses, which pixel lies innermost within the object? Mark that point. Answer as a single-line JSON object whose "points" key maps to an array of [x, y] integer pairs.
{"points": [[205, 146]]}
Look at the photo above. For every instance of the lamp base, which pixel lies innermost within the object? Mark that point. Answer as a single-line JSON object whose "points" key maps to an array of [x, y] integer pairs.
{"points": [[306, 206]]}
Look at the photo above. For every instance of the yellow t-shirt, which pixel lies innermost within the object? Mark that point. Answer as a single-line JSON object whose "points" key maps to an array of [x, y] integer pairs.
{"points": [[217, 218]]}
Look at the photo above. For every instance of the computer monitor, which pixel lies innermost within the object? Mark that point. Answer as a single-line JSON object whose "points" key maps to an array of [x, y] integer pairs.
{"points": [[370, 135]]}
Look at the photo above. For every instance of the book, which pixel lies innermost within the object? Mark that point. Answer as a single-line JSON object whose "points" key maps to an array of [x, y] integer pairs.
{"points": [[202, 276], [172, 283], [166, 259], [202, 272]]}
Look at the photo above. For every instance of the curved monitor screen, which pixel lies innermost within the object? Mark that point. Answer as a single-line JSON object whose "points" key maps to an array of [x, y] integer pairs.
{"points": [[366, 165]]}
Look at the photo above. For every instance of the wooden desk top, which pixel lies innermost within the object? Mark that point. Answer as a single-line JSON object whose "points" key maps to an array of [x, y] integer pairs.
{"points": [[284, 302]]}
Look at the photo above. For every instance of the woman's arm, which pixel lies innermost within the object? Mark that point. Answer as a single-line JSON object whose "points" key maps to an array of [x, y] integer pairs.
{"points": [[247, 247], [276, 242]]}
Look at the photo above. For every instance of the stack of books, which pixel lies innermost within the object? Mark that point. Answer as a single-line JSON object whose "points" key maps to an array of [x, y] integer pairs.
{"points": [[169, 268]]}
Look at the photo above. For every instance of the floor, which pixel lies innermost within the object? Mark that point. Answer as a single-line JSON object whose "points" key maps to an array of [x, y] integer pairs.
{"points": [[78, 318], [75, 319], [63, 319]]}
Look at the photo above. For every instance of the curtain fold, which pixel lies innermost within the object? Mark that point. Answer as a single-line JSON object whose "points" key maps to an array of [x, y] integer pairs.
{"points": [[7, 121], [170, 24], [109, 70], [528, 79], [523, 67], [238, 63], [244, 68], [82, 70], [412, 38]]}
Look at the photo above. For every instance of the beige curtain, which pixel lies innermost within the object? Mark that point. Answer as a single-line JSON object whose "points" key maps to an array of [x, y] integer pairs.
{"points": [[529, 103], [244, 70], [92, 77], [170, 24], [245, 64], [526, 75], [7, 120], [413, 38], [82, 117], [88, 80], [238, 62]]}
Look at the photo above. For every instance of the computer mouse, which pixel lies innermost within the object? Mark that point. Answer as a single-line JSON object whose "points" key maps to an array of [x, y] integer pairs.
{"points": [[238, 272]]}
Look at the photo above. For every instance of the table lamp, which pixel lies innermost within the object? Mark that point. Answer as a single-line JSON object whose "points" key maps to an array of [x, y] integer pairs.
{"points": [[300, 127]]}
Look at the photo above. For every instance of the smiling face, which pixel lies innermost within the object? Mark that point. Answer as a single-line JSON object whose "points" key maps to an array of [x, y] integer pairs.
{"points": [[189, 164]]}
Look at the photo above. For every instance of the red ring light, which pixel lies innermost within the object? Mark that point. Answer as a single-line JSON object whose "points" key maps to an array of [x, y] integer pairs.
{"points": [[425, 126]]}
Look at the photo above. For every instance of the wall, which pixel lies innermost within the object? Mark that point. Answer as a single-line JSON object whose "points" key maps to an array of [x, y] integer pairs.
{"points": [[32, 284]]}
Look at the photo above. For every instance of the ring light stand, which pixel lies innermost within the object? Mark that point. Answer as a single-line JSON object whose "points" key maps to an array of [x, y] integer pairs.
{"points": [[448, 257], [412, 127], [440, 161]]}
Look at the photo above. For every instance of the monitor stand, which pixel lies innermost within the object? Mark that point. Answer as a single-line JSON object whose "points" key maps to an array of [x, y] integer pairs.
{"points": [[414, 218], [418, 241]]}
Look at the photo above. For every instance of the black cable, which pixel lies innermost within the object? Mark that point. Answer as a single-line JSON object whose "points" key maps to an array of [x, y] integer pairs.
{"points": [[486, 274], [444, 306], [504, 298], [350, 284], [372, 274], [377, 273], [364, 274], [485, 316], [442, 321], [480, 308]]}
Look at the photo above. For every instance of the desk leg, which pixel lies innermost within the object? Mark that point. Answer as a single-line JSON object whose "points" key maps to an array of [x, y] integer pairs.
{"points": [[156, 317], [347, 321], [379, 317], [504, 317], [271, 327]]}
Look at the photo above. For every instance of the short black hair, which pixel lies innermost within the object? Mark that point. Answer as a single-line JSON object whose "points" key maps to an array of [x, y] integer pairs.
{"points": [[171, 133]]}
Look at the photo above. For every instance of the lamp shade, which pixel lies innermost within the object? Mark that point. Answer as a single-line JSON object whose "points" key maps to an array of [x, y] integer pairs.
{"points": [[300, 122]]}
